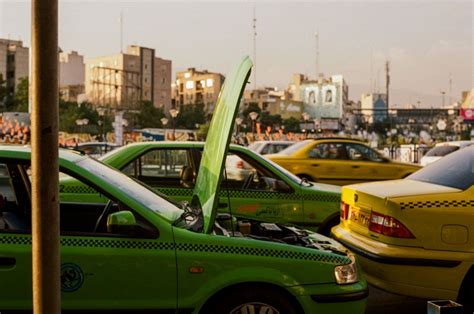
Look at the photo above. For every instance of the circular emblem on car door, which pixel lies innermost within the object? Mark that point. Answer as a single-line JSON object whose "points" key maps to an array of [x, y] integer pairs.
{"points": [[72, 277]]}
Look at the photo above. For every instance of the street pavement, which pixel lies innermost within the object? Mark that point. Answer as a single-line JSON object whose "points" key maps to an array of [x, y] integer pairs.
{"points": [[381, 302]]}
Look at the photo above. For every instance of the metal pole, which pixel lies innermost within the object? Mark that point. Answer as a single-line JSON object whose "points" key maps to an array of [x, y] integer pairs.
{"points": [[44, 165]]}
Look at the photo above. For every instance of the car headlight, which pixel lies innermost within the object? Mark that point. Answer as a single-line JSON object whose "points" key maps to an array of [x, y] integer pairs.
{"points": [[346, 274]]}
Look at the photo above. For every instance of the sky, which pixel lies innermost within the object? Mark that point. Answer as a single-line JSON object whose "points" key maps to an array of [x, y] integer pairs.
{"points": [[427, 42]]}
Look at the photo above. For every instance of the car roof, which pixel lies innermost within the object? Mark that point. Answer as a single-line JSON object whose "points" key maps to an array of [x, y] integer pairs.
{"points": [[24, 152], [455, 143]]}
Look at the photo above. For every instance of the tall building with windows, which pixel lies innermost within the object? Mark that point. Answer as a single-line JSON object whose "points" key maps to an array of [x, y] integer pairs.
{"points": [[71, 75], [14, 64], [124, 80], [197, 87]]}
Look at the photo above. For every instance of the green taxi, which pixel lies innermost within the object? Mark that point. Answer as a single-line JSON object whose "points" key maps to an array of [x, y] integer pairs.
{"points": [[252, 186], [141, 253]]}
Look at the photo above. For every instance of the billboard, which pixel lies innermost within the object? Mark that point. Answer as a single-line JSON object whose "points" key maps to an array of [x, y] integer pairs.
{"points": [[323, 100]]}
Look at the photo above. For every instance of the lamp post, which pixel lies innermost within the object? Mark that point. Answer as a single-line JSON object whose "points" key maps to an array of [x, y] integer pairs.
{"points": [[174, 113], [164, 122], [306, 117], [253, 115], [81, 123], [100, 122], [238, 122]]}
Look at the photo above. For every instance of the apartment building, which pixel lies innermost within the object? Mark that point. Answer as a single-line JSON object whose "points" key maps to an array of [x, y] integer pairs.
{"points": [[197, 87], [124, 80], [71, 75], [14, 63]]}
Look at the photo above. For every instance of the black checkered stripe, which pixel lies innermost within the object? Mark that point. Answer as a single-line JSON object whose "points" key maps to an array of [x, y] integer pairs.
{"points": [[103, 243], [240, 250], [188, 247], [257, 195], [176, 191], [437, 203], [322, 198], [76, 189]]}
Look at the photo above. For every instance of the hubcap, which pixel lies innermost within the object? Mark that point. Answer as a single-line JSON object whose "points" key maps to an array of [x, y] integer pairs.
{"points": [[254, 308]]}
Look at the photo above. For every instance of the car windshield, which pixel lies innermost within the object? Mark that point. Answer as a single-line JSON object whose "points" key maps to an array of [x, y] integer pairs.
{"points": [[255, 146], [441, 151], [455, 170], [293, 148], [132, 188]]}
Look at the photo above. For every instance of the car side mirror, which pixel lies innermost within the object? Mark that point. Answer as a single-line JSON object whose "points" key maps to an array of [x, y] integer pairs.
{"points": [[124, 223], [281, 186]]}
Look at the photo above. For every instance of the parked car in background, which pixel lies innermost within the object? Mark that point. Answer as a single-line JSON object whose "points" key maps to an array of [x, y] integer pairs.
{"points": [[415, 236], [269, 147], [140, 252], [238, 168], [96, 149], [266, 191], [339, 161], [442, 149]]}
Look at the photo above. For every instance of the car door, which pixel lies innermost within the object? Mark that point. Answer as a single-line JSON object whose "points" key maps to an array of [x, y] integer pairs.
{"points": [[168, 170], [257, 192], [110, 269], [15, 238], [367, 165], [327, 163]]}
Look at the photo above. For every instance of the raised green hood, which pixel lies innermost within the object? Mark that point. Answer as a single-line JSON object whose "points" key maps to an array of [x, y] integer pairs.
{"points": [[208, 182]]}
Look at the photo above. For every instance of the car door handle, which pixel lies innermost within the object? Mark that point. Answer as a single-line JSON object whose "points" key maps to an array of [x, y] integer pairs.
{"points": [[7, 261], [355, 166], [315, 165]]}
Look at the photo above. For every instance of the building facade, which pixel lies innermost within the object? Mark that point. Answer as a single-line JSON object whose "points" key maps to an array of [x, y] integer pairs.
{"points": [[197, 87], [374, 106], [71, 75], [122, 81], [14, 64]]}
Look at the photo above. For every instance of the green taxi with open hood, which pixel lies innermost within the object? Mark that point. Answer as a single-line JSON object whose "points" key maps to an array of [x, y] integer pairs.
{"points": [[143, 253]]}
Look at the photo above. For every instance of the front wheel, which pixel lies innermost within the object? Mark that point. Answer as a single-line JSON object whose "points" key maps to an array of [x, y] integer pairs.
{"points": [[251, 300]]}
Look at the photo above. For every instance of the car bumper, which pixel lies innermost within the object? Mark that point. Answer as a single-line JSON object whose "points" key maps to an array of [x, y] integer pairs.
{"points": [[332, 298], [407, 270]]}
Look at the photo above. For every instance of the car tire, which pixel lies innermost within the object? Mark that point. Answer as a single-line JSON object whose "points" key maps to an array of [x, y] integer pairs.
{"points": [[326, 227], [466, 298], [253, 299]]}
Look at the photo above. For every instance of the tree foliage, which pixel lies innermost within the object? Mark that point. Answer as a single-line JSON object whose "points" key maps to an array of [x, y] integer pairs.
{"points": [[3, 90], [149, 116], [22, 95], [190, 115], [292, 125]]}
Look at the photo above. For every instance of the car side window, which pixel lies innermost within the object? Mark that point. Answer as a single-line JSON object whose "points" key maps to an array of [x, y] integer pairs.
{"points": [[14, 200], [163, 167], [244, 173], [329, 151], [362, 153]]}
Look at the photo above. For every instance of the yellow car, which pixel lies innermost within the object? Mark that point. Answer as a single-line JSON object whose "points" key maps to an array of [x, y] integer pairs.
{"points": [[339, 161], [416, 236]]}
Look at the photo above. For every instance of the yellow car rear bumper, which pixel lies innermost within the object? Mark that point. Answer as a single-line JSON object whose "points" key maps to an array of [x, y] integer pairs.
{"points": [[409, 271]]}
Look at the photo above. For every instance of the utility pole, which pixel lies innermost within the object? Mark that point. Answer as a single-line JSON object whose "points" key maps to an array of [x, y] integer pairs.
{"points": [[254, 70], [44, 158], [121, 31], [450, 89], [387, 81], [316, 35]]}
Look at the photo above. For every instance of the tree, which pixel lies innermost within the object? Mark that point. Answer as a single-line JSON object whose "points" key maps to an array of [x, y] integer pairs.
{"points": [[21, 98], [149, 116], [292, 125], [190, 115], [267, 119], [3, 89]]}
